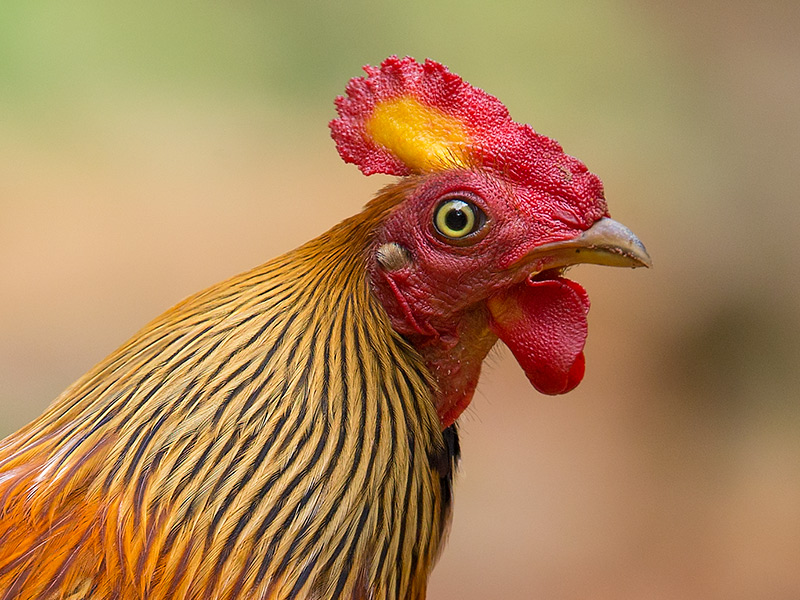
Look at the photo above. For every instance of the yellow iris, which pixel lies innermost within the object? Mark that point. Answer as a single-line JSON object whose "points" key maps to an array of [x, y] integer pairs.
{"points": [[455, 219]]}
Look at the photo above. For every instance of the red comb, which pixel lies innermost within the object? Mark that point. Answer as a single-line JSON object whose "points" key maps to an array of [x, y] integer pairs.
{"points": [[436, 120], [432, 85]]}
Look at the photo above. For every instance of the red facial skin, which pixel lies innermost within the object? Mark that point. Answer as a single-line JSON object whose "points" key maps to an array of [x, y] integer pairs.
{"points": [[438, 301]]}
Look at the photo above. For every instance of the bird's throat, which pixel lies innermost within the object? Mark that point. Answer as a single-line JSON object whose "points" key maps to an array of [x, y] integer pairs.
{"points": [[454, 357]]}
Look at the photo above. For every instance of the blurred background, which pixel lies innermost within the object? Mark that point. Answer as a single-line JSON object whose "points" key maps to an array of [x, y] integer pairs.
{"points": [[150, 149]]}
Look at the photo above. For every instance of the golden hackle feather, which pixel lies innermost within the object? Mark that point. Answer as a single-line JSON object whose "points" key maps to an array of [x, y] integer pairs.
{"points": [[269, 438]]}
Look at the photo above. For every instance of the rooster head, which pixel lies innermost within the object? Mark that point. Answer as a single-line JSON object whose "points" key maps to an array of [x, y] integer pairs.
{"points": [[485, 219]]}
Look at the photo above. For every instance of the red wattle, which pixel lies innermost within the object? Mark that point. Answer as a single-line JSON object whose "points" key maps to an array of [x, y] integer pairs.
{"points": [[543, 322]]}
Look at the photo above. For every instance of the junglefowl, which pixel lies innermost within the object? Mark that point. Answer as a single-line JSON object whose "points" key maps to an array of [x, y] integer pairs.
{"points": [[290, 432]]}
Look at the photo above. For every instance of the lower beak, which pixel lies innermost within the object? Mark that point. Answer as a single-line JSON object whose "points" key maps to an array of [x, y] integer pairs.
{"points": [[604, 243]]}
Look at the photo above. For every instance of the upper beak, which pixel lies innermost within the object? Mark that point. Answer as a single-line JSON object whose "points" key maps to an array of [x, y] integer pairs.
{"points": [[607, 242]]}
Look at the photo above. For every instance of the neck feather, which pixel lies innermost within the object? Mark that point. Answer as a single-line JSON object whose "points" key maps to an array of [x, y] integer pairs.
{"points": [[272, 421]]}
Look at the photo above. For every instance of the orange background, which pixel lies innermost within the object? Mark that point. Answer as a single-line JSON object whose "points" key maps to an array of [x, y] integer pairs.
{"points": [[149, 151]]}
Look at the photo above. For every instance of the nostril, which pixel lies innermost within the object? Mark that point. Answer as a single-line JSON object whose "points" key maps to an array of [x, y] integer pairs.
{"points": [[570, 218]]}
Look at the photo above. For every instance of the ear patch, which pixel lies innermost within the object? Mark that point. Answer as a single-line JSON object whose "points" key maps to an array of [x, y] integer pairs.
{"points": [[393, 256]]}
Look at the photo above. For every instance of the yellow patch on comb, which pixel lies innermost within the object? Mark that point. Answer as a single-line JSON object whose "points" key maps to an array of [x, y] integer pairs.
{"points": [[422, 137]]}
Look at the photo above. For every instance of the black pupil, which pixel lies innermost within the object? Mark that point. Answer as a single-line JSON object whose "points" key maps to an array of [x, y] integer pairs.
{"points": [[456, 219]]}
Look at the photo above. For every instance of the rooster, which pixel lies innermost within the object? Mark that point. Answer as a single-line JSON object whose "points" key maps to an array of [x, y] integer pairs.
{"points": [[290, 432]]}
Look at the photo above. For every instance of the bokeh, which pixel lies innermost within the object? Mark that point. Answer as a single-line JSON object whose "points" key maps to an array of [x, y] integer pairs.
{"points": [[150, 149]]}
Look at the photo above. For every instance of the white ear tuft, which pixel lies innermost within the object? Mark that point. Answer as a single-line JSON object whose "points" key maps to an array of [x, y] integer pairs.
{"points": [[393, 256]]}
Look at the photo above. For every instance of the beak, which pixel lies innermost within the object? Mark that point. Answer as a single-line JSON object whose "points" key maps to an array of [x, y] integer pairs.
{"points": [[604, 243]]}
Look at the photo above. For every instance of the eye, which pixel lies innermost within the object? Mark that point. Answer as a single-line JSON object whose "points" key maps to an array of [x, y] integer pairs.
{"points": [[456, 218]]}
